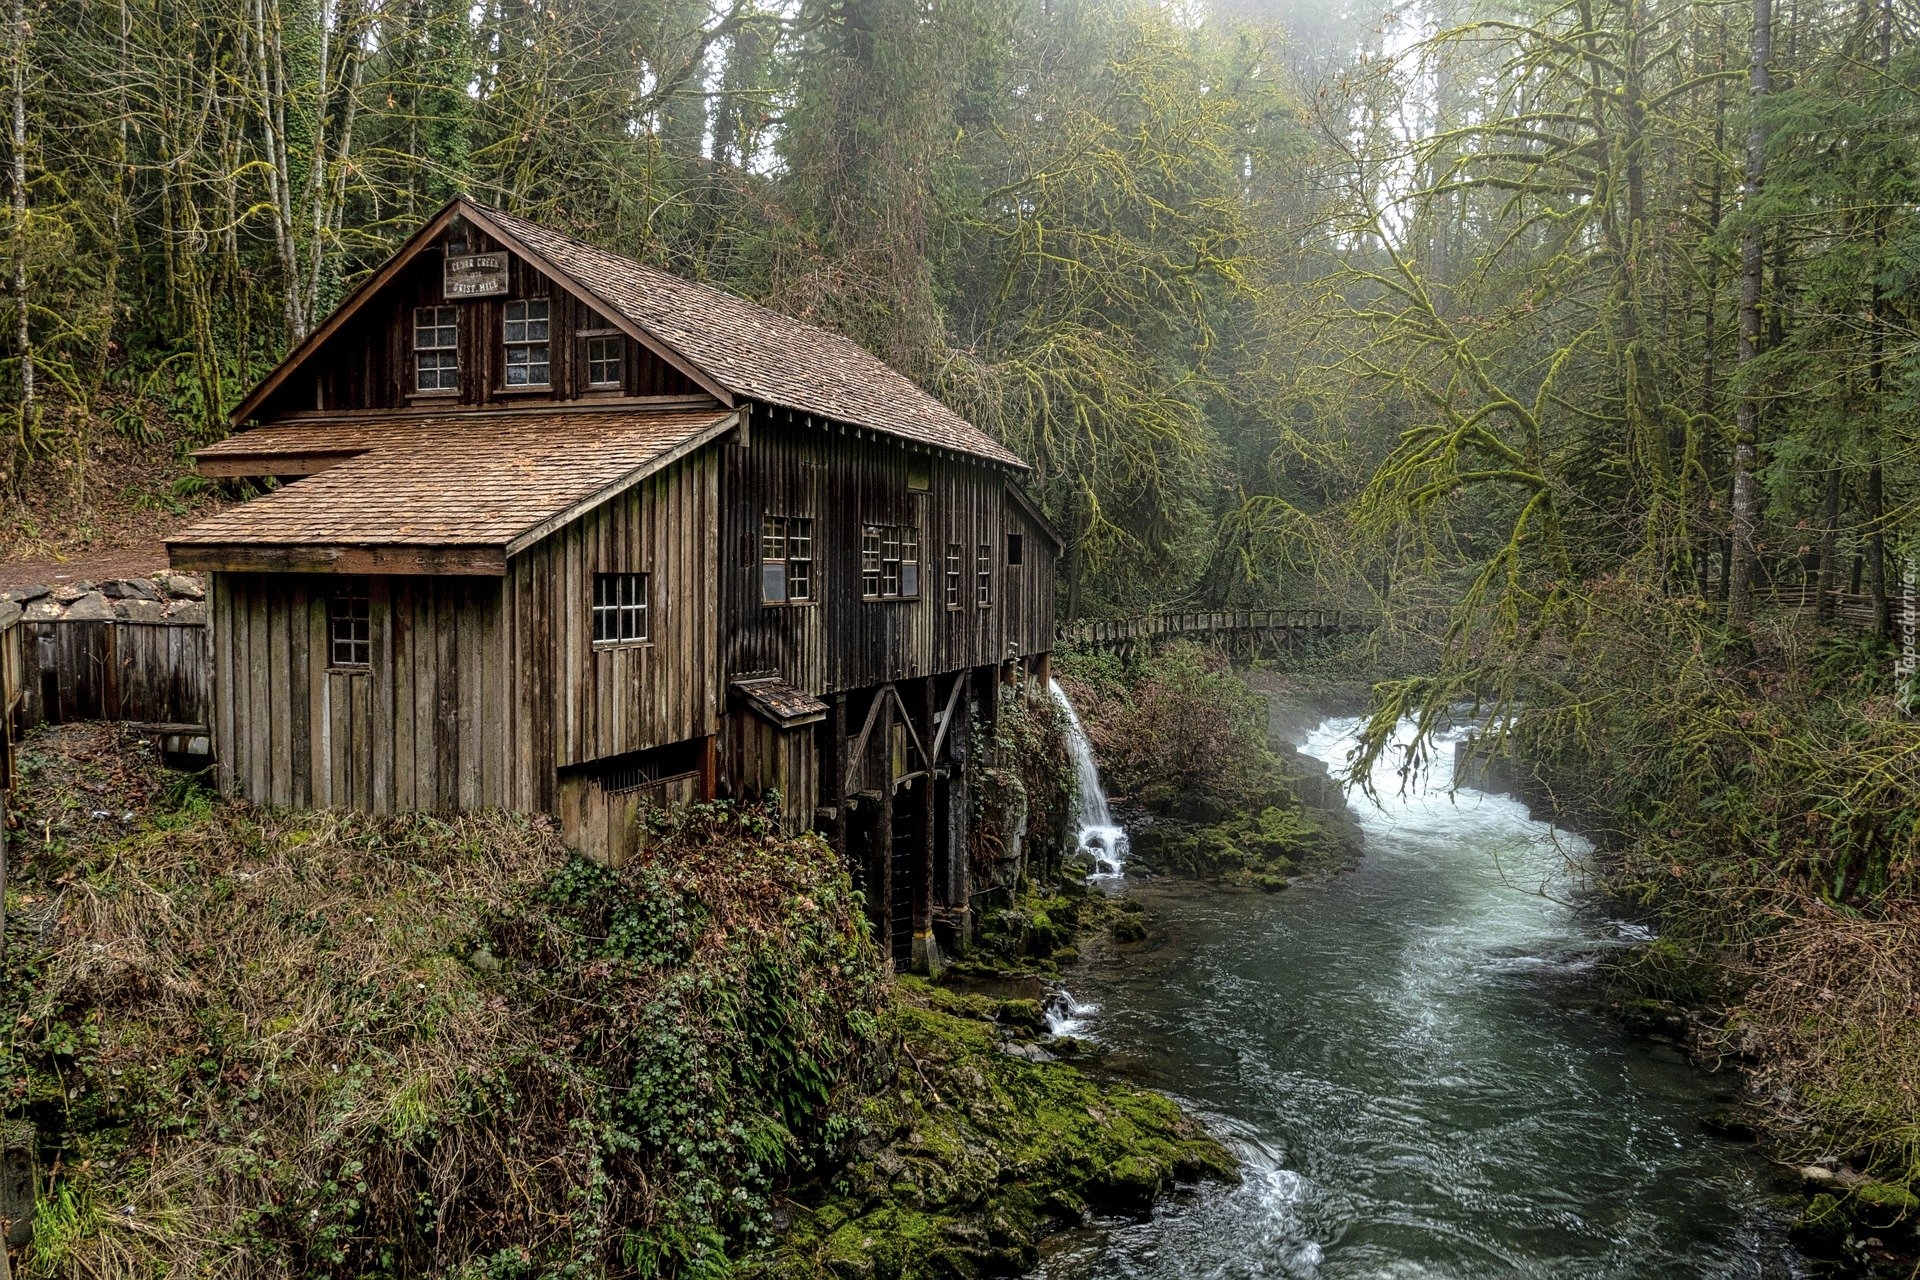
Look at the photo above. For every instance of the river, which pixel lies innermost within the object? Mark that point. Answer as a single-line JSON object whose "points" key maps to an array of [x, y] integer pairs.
{"points": [[1410, 1062]]}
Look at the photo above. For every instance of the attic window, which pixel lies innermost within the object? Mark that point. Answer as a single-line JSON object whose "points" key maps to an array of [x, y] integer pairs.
{"points": [[1016, 548], [526, 340], [436, 348], [603, 361], [349, 626]]}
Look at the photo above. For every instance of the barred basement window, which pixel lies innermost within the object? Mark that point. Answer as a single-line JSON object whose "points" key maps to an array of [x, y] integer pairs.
{"points": [[889, 562], [436, 348], [603, 361], [620, 608], [786, 559], [983, 576], [528, 364], [349, 625], [953, 575]]}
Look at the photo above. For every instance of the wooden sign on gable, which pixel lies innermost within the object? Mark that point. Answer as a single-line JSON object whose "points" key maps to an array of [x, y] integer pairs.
{"points": [[474, 275]]}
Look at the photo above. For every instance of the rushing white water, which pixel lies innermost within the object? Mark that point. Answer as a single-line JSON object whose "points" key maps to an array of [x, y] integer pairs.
{"points": [[1406, 1059], [1099, 838]]}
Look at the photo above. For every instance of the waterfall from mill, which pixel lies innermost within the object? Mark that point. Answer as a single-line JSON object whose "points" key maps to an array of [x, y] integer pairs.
{"points": [[1099, 838]]}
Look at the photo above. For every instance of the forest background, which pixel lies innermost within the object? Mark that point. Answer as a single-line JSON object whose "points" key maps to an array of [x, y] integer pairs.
{"points": [[1585, 325]]}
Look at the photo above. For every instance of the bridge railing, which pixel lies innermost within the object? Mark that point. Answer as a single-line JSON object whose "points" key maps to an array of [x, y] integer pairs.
{"points": [[1107, 632]]}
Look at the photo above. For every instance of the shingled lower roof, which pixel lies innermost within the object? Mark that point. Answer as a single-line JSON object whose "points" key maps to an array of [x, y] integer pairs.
{"points": [[755, 352], [485, 483]]}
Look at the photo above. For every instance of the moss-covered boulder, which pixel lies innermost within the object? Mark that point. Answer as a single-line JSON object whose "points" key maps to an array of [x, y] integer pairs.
{"points": [[978, 1153]]}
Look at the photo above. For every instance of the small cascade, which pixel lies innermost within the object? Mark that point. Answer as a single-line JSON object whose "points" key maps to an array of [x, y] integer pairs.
{"points": [[1066, 1016], [1099, 838]]}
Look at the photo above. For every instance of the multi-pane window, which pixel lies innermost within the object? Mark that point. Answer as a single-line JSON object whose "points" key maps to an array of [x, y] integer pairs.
{"points": [[436, 348], [953, 575], [786, 559], [603, 361], [1016, 548], [349, 627], [889, 561], [619, 607], [983, 575], [528, 364]]}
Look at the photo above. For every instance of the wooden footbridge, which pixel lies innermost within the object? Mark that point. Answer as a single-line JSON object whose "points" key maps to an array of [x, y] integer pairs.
{"points": [[1239, 632]]}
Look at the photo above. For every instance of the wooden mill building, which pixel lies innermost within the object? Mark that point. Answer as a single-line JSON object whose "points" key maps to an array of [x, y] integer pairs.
{"points": [[553, 530]]}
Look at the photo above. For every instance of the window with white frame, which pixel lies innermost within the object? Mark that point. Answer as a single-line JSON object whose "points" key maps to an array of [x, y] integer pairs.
{"points": [[620, 608], [526, 333], [605, 358], [786, 559], [983, 575], [436, 348], [954, 567], [889, 562], [349, 625]]}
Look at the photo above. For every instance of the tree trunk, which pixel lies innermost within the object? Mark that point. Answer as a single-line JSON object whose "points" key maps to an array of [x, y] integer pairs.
{"points": [[1829, 545], [1746, 444], [23, 335]]}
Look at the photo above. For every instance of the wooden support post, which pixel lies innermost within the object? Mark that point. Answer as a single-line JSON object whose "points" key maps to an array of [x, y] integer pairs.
{"points": [[880, 856], [837, 766], [710, 768], [926, 956]]}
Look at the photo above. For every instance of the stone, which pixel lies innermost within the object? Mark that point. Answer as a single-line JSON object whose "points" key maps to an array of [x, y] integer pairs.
{"points": [[68, 592], [91, 607], [45, 609], [127, 589], [140, 610], [187, 586], [26, 595], [191, 611], [9, 614], [1817, 1175]]}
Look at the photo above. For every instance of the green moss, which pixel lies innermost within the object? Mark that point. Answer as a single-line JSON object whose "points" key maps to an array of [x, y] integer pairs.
{"points": [[983, 1154]]}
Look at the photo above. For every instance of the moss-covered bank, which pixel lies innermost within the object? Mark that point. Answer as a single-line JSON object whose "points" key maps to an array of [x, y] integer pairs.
{"points": [[1756, 794], [1184, 749], [258, 1043]]}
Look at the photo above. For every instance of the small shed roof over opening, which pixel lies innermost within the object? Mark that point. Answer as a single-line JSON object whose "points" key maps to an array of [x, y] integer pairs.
{"points": [[458, 493]]}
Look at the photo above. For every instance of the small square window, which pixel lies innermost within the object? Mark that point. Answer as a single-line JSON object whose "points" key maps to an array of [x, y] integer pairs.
{"points": [[620, 608], [526, 327], [349, 626], [604, 361], [436, 349]]}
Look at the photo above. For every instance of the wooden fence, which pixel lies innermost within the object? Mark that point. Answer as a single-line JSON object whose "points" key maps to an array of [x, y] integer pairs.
{"points": [[153, 676]]}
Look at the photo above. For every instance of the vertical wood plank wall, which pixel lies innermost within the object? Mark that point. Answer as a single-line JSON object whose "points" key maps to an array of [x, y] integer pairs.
{"points": [[842, 642], [369, 363], [574, 702], [423, 727]]}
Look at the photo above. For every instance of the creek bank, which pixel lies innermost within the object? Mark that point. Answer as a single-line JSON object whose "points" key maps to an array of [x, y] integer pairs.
{"points": [[1855, 1205], [332, 1044]]}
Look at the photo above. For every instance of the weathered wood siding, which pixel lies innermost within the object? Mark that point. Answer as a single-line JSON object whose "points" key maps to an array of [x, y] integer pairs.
{"points": [[99, 669], [369, 363], [1028, 587], [762, 757], [424, 727], [843, 479], [573, 702]]}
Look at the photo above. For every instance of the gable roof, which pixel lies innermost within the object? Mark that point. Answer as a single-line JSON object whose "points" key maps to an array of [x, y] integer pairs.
{"points": [[520, 476], [733, 347]]}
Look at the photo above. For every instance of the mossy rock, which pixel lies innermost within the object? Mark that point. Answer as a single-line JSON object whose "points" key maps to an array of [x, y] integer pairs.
{"points": [[1129, 928], [1884, 1206], [1822, 1229]]}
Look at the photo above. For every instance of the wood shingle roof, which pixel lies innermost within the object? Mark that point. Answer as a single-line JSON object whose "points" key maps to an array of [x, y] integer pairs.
{"points": [[753, 351], [490, 481]]}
